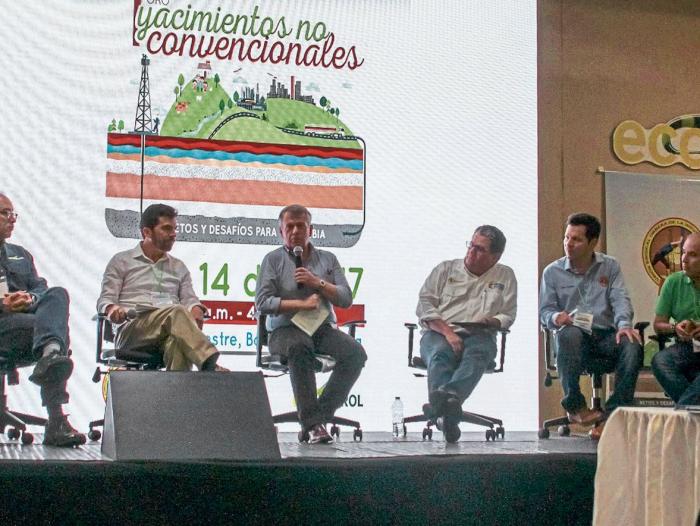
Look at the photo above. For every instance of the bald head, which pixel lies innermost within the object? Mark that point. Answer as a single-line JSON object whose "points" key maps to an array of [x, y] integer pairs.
{"points": [[691, 256], [7, 217]]}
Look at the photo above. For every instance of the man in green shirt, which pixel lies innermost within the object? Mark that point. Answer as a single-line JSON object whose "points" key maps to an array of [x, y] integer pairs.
{"points": [[677, 368]]}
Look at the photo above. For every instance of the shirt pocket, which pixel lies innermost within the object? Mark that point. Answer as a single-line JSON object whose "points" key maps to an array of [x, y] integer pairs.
{"points": [[20, 269], [493, 300], [455, 290]]}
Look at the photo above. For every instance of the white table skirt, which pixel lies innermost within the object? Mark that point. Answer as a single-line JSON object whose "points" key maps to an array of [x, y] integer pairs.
{"points": [[648, 469]]}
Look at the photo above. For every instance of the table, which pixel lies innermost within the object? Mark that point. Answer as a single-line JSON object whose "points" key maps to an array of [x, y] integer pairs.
{"points": [[648, 468]]}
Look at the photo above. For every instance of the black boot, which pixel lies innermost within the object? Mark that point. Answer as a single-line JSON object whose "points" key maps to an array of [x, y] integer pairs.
{"points": [[60, 433]]}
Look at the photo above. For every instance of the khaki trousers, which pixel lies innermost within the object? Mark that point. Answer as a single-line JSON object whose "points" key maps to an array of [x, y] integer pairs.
{"points": [[174, 331]]}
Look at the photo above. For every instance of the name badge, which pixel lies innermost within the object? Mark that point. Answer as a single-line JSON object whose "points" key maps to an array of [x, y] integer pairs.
{"points": [[584, 321], [4, 289], [161, 299]]}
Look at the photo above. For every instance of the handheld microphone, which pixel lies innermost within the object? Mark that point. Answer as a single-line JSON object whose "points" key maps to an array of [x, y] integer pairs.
{"points": [[298, 251]]}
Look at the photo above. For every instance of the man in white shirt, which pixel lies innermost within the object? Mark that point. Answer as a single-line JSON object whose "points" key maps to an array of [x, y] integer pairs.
{"points": [[157, 287], [478, 290]]}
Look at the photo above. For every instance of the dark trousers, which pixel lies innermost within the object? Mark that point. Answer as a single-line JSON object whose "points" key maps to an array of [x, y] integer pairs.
{"points": [[24, 334], [578, 351], [677, 368], [298, 349]]}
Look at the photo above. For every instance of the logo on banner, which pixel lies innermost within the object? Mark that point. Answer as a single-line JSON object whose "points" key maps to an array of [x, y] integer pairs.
{"points": [[661, 248], [676, 141]]}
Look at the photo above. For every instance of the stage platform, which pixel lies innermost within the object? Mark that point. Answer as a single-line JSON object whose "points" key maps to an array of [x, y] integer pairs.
{"points": [[381, 480]]}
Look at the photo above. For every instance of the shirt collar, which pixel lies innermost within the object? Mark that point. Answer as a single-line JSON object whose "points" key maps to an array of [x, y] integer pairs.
{"points": [[597, 258], [137, 253]]}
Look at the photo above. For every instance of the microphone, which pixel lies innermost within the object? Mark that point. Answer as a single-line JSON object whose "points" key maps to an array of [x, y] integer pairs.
{"points": [[298, 251]]}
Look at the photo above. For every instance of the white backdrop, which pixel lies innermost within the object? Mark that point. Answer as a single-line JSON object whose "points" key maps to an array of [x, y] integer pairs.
{"points": [[445, 100]]}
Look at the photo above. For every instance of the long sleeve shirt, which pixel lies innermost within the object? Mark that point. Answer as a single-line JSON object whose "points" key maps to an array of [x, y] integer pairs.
{"points": [[276, 283], [131, 279], [600, 291], [453, 294], [21, 272]]}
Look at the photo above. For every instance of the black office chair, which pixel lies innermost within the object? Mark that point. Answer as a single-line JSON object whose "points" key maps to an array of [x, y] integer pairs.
{"points": [[416, 362], [596, 370], [142, 359], [17, 422], [275, 362]]}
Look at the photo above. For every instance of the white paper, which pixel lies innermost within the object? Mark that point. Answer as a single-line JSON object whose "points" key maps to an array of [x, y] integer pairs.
{"points": [[310, 320]]}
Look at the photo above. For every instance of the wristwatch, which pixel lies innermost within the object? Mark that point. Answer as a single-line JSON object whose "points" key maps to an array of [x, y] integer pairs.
{"points": [[321, 284]]}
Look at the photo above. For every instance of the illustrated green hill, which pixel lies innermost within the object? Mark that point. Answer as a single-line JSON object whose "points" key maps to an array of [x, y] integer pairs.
{"points": [[200, 114]]}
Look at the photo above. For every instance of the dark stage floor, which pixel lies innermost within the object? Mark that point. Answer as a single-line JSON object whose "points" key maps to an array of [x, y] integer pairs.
{"points": [[374, 445], [518, 480]]}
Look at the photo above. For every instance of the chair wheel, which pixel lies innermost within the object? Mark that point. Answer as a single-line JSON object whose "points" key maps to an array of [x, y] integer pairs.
{"points": [[564, 431], [543, 433], [94, 434], [426, 433], [357, 435], [13, 433], [335, 431], [452, 433], [303, 435], [500, 432], [490, 435], [27, 438]]}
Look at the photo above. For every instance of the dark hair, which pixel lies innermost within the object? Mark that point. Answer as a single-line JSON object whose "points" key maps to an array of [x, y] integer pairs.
{"points": [[590, 222], [295, 210], [498, 240], [152, 214]]}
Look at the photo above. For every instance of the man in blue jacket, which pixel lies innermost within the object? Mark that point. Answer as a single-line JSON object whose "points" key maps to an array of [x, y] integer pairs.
{"points": [[34, 328]]}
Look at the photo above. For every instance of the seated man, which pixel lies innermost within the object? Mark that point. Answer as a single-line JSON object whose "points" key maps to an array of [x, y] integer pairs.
{"points": [[308, 279], [149, 294], [475, 289], [34, 327], [677, 368], [583, 298]]}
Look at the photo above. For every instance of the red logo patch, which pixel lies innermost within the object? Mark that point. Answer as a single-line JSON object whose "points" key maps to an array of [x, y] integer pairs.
{"points": [[604, 281]]}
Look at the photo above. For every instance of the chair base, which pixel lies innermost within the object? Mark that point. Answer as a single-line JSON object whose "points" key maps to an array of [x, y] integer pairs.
{"points": [[494, 425], [335, 421], [563, 422]]}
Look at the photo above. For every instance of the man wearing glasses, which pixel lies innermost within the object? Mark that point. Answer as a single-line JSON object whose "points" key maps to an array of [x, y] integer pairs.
{"points": [[34, 327], [475, 289]]}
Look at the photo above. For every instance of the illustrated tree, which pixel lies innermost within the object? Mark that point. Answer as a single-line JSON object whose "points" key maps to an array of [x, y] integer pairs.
{"points": [[176, 91], [323, 102], [222, 105], [217, 79], [120, 126], [229, 103], [337, 114], [236, 97], [112, 126], [181, 81]]}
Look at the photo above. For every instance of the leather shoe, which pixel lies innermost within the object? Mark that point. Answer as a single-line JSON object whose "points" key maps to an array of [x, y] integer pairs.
{"points": [[319, 435], [585, 416], [53, 368], [445, 403], [59, 432], [597, 431]]}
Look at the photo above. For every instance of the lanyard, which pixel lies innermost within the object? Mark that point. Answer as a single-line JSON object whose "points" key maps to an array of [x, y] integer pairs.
{"points": [[159, 279]]}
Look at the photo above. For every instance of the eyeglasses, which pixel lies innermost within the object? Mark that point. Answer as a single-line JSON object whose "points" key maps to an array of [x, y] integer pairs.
{"points": [[8, 213], [476, 248]]}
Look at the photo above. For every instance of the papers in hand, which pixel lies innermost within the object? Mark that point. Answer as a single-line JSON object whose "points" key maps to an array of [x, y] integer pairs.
{"points": [[310, 320]]}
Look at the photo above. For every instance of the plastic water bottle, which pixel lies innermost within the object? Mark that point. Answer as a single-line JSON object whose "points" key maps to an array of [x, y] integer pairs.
{"points": [[397, 416]]}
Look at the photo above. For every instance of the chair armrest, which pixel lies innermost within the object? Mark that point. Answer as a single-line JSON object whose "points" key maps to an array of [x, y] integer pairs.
{"points": [[353, 325]]}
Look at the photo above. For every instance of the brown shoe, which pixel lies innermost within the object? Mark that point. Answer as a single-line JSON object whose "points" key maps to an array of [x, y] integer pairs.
{"points": [[319, 435], [585, 416], [597, 431]]}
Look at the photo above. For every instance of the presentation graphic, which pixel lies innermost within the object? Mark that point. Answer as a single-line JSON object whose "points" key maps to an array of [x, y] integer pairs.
{"points": [[258, 149]]}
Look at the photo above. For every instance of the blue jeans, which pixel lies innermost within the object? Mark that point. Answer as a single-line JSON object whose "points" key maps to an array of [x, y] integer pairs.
{"points": [[447, 372], [24, 334], [298, 349], [578, 351], [677, 368]]}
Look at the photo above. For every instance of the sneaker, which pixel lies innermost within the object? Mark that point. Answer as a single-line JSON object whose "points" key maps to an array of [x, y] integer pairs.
{"points": [[59, 432], [319, 435], [53, 368]]}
